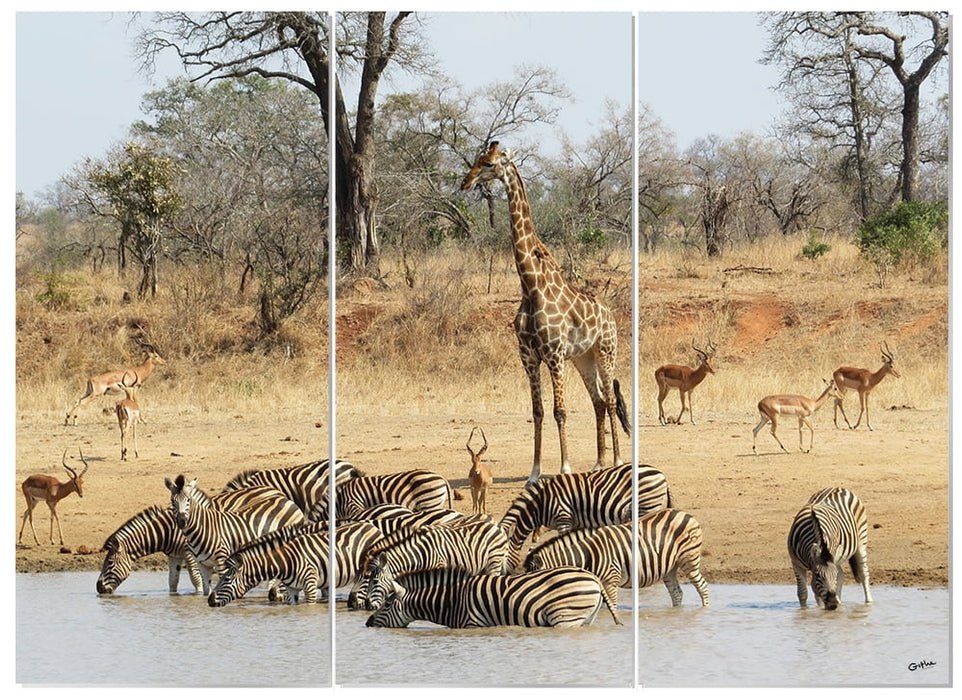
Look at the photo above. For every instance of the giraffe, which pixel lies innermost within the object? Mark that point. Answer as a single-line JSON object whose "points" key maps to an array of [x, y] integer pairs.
{"points": [[555, 322]]}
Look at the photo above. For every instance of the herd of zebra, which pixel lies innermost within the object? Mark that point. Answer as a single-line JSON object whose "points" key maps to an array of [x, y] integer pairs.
{"points": [[407, 555]]}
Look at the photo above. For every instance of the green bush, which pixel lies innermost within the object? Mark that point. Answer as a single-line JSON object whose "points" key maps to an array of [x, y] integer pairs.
{"points": [[815, 248], [57, 295], [912, 231]]}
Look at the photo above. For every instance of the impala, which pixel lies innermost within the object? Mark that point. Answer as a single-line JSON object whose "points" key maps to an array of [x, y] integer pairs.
{"points": [[128, 415], [111, 382], [863, 381], [41, 487], [684, 379], [777, 406], [479, 476]]}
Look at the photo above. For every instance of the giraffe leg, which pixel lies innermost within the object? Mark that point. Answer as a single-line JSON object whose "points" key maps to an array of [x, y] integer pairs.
{"points": [[593, 380], [537, 417], [557, 370]]}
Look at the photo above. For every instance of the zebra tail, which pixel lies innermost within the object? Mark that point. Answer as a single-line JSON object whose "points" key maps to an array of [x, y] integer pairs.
{"points": [[610, 603], [620, 408]]}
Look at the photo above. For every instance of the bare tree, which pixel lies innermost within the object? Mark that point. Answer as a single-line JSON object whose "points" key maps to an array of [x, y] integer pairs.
{"points": [[294, 46], [848, 53]]}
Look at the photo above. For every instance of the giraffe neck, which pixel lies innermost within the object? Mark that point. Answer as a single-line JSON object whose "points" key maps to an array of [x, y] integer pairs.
{"points": [[528, 248]]}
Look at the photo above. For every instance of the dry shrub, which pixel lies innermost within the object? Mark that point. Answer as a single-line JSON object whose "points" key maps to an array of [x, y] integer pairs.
{"points": [[447, 344]]}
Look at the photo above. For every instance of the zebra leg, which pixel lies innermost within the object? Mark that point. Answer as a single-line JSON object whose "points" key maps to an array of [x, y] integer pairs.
{"points": [[693, 571], [801, 574], [674, 590], [310, 579], [194, 572], [859, 564]]}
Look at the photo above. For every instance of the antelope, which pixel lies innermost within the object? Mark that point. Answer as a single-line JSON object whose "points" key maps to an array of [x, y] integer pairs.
{"points": [[41, 487], [128, 414], [479, 477], [863, 381], [774, 407], [684, 379], [110, 382]]}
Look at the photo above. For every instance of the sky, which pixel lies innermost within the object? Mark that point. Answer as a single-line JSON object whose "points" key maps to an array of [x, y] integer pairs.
{"points": [[78, 88]]}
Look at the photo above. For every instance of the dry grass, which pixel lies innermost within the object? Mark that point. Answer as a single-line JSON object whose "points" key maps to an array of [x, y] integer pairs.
{"points": [[781, 323]]}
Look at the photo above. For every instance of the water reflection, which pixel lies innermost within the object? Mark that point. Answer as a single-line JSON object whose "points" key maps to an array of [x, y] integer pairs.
{"points": [[752, 635]]}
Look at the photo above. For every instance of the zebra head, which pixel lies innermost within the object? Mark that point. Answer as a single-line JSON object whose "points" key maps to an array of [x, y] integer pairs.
{"points": [[180, 498], [393, 613], [825, 580], [115, 569], [231, 584], [380, 582]]}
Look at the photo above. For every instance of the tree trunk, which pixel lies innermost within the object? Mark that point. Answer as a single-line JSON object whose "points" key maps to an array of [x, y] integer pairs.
{"points": [[909, 169]]}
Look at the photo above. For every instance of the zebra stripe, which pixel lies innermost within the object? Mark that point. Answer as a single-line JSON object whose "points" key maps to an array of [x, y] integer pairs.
{"points": [[475, 547], [390, 518], [154, 530], [149, 531], [418, 489], [564, 597], [212, 534], [298, 558], [305, 484], [830, 529], [669, 542], [585, 500]]}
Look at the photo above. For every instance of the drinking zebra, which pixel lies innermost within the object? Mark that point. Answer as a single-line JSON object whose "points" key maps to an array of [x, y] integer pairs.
{"points": [[151, 530], [213, 534], [305, 484], [564, 597], [830, 529], [297, 557], [476, 547], [585, 500], [417, 489], [155, 530], [669, 542]]}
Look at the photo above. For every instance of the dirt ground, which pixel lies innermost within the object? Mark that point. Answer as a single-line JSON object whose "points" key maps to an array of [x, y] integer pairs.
{"points": [[744, 502]]}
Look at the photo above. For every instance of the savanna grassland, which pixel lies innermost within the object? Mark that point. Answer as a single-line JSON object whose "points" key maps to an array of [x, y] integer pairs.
{"points": [[418, 366]]}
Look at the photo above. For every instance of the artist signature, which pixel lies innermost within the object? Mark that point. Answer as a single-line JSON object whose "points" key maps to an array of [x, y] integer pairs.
{"points": [[918, 665]]}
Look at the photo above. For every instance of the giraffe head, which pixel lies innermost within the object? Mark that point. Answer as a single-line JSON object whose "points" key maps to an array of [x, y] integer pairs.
{"points": [[489, 166]]}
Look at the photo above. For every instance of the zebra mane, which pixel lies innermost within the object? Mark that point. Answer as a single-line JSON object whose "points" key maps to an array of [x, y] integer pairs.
{"points": [[528, 501], [274, 539], [149, 514], [240, 481], [423, 578], [824, 551]]}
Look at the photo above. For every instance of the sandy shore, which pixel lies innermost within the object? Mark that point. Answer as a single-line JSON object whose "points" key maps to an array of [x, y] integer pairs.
{"points": [[744, 502]]}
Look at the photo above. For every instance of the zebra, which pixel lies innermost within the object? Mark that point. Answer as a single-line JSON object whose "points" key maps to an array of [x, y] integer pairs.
{"points": [[669, 542], [562, 597], [476, 547], [151, 530], [213, 534], [297, 557], [584, 500], [305, 484], [390, 518], [828, 530], [154, 530], [417, 489]]}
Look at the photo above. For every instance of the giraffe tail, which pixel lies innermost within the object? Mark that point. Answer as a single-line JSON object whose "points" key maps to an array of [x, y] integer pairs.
{"points": [[620, 408]]}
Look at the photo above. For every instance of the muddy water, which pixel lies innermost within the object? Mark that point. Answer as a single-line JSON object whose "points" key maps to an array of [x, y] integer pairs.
{"points": [[751, 635]]}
